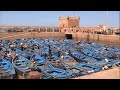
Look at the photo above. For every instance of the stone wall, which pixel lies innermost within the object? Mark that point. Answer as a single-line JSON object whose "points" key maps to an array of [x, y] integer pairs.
{"points": [[11, 36], [57, 35], [104, 39]]}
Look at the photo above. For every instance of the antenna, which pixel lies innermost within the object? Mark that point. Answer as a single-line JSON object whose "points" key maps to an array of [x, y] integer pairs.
{"points": [[107, 20], [74, 13], [119, 21]]}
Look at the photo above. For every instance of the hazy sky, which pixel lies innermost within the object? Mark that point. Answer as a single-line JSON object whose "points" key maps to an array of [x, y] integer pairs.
{"points": [[51, 18]]}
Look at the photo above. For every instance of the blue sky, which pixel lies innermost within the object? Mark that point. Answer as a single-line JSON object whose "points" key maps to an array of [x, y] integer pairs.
{"points": [[51, 18]]}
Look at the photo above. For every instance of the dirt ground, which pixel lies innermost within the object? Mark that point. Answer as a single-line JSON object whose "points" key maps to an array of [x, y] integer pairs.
{"points": [[107, 74]]}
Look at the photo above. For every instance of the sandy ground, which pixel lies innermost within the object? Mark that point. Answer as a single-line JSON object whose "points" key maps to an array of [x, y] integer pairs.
{"points": [[107, 74]]}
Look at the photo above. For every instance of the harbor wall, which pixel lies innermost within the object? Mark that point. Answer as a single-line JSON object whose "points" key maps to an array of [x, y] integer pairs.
{"points": [[99, 38], [12, 36], [57, 35]]}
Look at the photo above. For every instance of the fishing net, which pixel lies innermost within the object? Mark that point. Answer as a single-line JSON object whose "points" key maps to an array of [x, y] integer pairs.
{"points": [[5, 76], [34, 75]]}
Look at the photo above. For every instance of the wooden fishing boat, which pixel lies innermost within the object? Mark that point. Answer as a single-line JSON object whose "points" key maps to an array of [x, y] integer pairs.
{"points": [[83, 69], [39, 60], [7, 71], [78, 56], [69, 62], [51, 72], [58, 73], [67, 59], [21, 65], [56, 63], [92, 54]]}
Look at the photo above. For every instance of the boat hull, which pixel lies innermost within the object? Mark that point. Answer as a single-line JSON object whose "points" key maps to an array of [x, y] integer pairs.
{"points": [[7, 70], [20, 70]]}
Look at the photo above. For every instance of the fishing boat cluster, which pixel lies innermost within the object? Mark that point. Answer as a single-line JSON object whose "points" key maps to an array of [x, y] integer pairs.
{"points": [[61, 59]]}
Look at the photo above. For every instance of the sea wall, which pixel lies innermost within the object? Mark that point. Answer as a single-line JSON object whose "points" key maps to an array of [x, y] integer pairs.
{"points": [[57, 35], [12, 36], [103, 39]]}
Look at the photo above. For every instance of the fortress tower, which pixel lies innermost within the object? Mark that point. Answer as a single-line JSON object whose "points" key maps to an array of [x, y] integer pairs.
{"points": [[69, 22]]}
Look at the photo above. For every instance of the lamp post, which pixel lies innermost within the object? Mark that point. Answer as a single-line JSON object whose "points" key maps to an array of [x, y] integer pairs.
{"points": [[107, 23]]}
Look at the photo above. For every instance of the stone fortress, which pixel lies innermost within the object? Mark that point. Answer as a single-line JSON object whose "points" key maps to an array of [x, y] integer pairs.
{"points": [[69, 27], [66, 24], [72, 24]]}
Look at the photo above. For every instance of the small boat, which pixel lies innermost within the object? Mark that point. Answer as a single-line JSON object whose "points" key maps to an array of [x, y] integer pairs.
{"points": [[50, 72], [92, 54], [21, 65], [42, 67], [69, 62], [113, 63], [86, 68], [27, 54], [56, 63], [58, 73], [78, 56], [7, 71], [67, 59], [89, 60], [45, 50], [102, 64], [39, 60]]}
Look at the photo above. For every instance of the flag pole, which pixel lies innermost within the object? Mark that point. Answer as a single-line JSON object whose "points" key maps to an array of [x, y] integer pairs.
{"points": [[107, 22], [74, 13], [107, 19]]}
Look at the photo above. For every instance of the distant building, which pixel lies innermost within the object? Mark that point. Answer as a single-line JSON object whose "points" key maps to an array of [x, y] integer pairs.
{"points": [[102, 27], [66, 24], [69, 23]]}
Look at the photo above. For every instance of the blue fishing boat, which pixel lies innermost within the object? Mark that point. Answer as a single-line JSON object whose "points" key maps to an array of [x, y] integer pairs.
{"points": [[69, 62], [77, 55], [50, 72], [59, 73], [56, 63], [92, 54], [103, 64], [7, 71], [83, 70], [40, 60], [21, 65]]}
